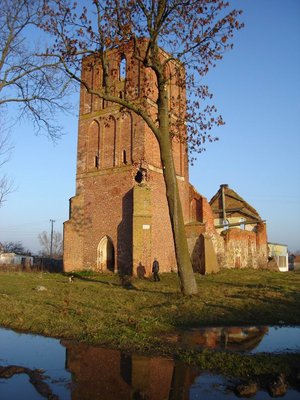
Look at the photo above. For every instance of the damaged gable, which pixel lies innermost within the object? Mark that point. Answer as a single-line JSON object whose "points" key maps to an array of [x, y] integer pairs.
{"points": [[231, 210]]}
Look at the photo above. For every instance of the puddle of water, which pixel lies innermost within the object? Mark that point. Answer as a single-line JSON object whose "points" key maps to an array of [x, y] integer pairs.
{"points": [[81, 372], [242, 339], [280, 339], [18, 388], [215, 387], [34, 352]]}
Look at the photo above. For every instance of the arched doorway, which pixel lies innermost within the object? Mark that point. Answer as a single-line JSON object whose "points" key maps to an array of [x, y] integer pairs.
{"points": [[106, 255]]}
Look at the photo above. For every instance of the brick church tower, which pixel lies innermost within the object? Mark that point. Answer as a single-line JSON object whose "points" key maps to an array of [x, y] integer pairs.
{"points": [[119, 218]]}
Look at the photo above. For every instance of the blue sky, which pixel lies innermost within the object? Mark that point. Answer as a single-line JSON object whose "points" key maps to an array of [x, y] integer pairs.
{"points": [[256, 88]]}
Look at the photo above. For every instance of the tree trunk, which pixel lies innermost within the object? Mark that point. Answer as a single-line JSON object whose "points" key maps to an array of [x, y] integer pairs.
{"points": [[185, 269]]}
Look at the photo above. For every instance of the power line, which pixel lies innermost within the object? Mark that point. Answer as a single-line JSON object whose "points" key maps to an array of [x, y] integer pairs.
{"points": [[51, 240], [32, 224]]}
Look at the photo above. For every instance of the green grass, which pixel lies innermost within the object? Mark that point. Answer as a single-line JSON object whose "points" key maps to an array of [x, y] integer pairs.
{"points": [[98, 309]]}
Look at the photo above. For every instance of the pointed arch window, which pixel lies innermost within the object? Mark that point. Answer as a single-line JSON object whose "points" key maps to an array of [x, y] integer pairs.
{"points": [[93, 146]]}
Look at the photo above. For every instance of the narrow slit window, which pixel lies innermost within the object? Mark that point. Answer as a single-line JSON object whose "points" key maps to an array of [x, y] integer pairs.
{"points": [[124, 157], [97, 161], [123, 66]]}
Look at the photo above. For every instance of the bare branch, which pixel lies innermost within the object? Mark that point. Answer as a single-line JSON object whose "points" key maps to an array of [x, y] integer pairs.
{"points": [[6, 185], [27, 77], [171, 46], [57, 242]]}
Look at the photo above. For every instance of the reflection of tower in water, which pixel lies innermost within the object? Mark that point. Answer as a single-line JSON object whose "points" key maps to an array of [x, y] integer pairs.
{"points": [[108, 374], [100, 373]]}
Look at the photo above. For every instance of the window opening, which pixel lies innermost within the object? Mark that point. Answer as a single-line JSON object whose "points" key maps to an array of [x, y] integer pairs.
{"points": [[92, 86], [97, 161], [140, 175], [124, 157], [242, 223], [226, 224], [122, 68]]}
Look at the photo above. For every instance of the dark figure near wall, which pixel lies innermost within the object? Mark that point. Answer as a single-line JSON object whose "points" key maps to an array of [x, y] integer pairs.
{"points": [[155, 270], [141, 271]]}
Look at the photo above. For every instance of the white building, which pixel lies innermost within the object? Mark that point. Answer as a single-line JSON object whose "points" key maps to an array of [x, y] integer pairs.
{"points": [[15, 259], [280, 254]]}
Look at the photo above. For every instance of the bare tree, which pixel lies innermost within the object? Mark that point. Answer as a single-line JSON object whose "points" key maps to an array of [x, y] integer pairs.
{"points": [[14, 247], [6, 185], [57, 244], [194, 33], [33, 83]]}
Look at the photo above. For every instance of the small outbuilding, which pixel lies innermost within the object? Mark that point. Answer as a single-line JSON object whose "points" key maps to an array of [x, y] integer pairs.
{"points": [[16, 259], [279, 252]]}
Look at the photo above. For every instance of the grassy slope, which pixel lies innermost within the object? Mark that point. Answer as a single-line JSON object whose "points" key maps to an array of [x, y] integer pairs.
{"points": [[99, 310]]}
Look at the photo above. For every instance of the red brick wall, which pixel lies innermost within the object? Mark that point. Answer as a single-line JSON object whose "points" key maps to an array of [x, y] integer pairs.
{"points": [[112, 146], [93, 145], [108, 143], [124, 150], [162, 237], [242, 250], [108, 212], [200, 210]]}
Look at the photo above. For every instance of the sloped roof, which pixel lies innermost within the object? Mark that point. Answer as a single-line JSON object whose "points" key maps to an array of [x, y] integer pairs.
{"points": [[246, 207]]}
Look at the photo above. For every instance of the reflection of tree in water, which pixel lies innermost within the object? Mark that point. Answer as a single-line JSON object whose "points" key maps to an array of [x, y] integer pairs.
{"points": [[36, 378], [229, 338], [108, 374]]}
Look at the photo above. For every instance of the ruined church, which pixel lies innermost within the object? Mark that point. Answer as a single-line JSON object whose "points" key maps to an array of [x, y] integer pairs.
{"points": [[118, 219]]}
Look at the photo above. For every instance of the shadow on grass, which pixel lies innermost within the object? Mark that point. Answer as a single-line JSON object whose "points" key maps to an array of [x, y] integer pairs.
{"points": [[125, 282]]}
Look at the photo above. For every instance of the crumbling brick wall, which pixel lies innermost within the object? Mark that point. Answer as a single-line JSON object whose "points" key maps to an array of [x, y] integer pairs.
{"points": [[244, 249], [116, 152]]}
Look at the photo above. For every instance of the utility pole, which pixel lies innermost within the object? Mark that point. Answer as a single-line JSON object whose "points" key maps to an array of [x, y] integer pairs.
{"points": [[51, 240]]}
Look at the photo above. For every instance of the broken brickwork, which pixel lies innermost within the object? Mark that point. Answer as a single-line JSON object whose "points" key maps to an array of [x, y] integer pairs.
{"points": [[119, 216], [119, 219]]}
